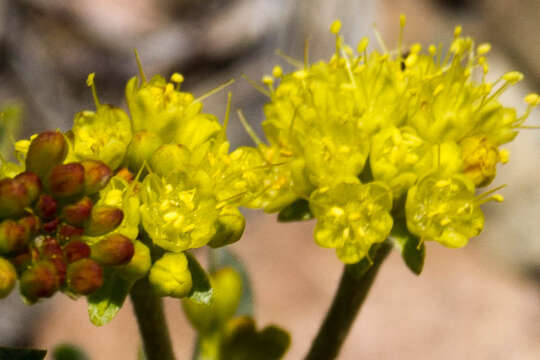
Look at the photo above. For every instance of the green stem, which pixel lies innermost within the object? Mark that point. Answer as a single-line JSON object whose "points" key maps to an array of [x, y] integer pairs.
{"points": [[148, 308], [349, 297]]}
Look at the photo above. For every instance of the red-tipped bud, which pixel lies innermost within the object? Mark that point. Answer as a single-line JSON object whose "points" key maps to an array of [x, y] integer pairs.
{"points": [[76, 250], [103, 220], [96, 176], [46, 207], [66, 180], [51, 226], [32, 183], [61, 269], [31, 224], [8, 277], [48, 247], [84, 276], [13, 198], [39, 281], [22, 261], [47, 150], [113, 250], [76, 214], [67, 233], [13, 236]]}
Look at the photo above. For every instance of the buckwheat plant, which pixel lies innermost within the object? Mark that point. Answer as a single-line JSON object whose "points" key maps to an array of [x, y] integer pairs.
{"points": [[385, 149]]}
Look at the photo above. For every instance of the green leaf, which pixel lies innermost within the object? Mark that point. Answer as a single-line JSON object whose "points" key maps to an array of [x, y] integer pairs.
{"points": [[69, 352], [223, 257], [7, 353], [412, 251], [297, 211], [201, 292], [104, 304]]}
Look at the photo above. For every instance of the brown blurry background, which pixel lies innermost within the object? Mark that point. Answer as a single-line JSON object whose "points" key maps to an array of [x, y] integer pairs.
{"points": [[481, 302]]}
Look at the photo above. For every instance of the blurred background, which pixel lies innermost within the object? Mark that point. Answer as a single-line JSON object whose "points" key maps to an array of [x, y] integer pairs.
{"points": [[481, 302]]}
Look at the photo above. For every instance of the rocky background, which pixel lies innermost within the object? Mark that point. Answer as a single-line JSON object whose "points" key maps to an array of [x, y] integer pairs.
{"points": [[481, 302]]}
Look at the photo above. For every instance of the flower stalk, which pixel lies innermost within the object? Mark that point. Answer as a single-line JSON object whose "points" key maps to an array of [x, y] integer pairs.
{"points": [[350, 295]]}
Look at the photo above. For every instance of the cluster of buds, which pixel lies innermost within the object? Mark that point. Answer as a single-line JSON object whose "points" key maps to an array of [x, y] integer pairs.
{"points": [[371, 139], [46, 211]]}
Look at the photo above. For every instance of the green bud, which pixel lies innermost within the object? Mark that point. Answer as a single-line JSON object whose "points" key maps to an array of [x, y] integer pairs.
{"points": [[8, 277], [139, 264], [169, 159], [76, 214], [84, 276], [103, 220], [96, 176], [76, 250], [141, 148], [229, 229], [66, 180], [47, 150], [46, 207], [61, 269], [13, 236], [170, 276], [115, 249], [14, 198], [32, 183], [39, 281]]}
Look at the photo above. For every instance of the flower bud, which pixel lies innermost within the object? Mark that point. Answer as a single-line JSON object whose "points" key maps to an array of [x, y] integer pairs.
{"points": [[32, 183], [39, 281], [84, 276], [22, 261], [47, 150], [139, 264], [115, 249], [46, 207], [103, 220], [480, 158], [125, 174], [169, 159], [8, 277], [48, 247], [61, 269], [66, 180], [96, 176], [13, 236], [14, 198], [229, 229], [31, 224], [141, 148], [170, 276], [76, 214], [51, 226], [67, 233], [76, 250]]}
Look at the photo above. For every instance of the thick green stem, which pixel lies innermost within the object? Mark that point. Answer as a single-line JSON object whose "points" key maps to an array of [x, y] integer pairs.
{"points": [[153, 328], [349, 297]]}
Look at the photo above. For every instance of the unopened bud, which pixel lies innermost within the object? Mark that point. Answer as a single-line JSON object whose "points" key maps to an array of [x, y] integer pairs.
{"points": [[67, 233], [170, 159], [39, 281], [170, 276], [31, 224], [103, 220], [139, 264], [32, 183], [13, 198], [8, 277], [142, 147], [22, 261], [76, 250], [46, 207], [84, 276], [76, 214], [115, 249], [13, 236], [229, 228], [51, 226], [61, 269], [47, 150], [96, 176], [48, 247], [66, 180]]}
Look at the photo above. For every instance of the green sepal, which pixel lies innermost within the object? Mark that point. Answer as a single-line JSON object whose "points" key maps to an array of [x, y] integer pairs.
{"points": [[7, 353], [297, 211], [412, 250], [69, 352], [223, 257], [104, 304], [201, 291]]}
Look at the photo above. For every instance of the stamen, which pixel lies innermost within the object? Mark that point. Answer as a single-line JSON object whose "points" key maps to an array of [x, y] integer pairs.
{"points": [[252, 134], [139, 65], [256, 86], [90, 83], [214, 90], [289, 59]]}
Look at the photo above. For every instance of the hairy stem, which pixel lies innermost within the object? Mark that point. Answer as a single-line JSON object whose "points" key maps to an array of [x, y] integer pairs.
{"points": [[350, 295], [148, 308]]}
